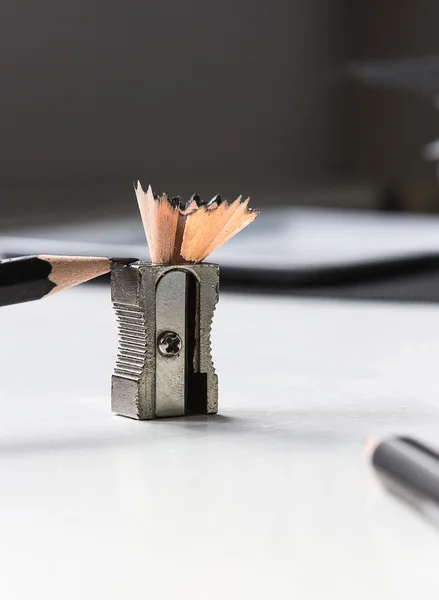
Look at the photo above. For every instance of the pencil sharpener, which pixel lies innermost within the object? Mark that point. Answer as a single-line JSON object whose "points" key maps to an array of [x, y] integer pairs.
{"points": [[164, 365]]}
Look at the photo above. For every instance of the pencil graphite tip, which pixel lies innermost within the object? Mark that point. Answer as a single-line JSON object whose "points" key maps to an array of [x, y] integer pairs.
{"points": [[215, 200], [191, 205], [197, 198], [123, 261]]}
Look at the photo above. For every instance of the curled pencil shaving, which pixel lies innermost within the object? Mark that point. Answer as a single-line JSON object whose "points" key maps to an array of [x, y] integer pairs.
{"points": [[187, 232]]}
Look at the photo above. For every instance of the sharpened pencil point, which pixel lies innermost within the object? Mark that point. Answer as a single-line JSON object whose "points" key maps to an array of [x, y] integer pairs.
{"points": [[68, 271]]}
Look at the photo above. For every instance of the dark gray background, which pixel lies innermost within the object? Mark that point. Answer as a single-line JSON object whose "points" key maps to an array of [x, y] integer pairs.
{"points": [[246, 96]]}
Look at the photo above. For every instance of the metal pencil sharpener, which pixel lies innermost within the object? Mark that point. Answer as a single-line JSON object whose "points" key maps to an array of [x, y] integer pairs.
{"points": [[164, 366]]}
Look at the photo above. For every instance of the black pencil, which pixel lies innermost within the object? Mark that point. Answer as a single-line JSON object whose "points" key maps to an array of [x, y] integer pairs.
{"points": [[34, 277], [409, 465]]}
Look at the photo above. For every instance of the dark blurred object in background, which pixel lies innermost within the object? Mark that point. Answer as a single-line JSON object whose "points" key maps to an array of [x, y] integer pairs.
{"points": [[417, 74]]}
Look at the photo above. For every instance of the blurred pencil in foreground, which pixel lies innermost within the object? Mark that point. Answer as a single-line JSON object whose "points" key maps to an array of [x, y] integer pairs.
{"points": [[409, 470], [34, 277]]}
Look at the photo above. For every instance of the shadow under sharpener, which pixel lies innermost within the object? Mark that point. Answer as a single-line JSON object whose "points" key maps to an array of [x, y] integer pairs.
{"points": [[164, 365]]}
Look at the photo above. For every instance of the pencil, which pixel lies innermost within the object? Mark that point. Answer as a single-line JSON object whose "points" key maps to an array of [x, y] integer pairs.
{"points": [[409, 465], [34, 277]]}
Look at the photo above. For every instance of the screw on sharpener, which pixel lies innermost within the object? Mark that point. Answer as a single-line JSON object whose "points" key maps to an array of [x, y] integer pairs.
{"points": [[169, 343]]}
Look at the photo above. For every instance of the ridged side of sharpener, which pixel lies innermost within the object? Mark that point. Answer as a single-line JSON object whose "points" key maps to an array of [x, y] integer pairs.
{"points": [[208, 275], [131, 355], [128, 380]]}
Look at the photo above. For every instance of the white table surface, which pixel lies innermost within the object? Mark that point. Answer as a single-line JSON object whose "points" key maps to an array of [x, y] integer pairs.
{"points": [[273, 498]]}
